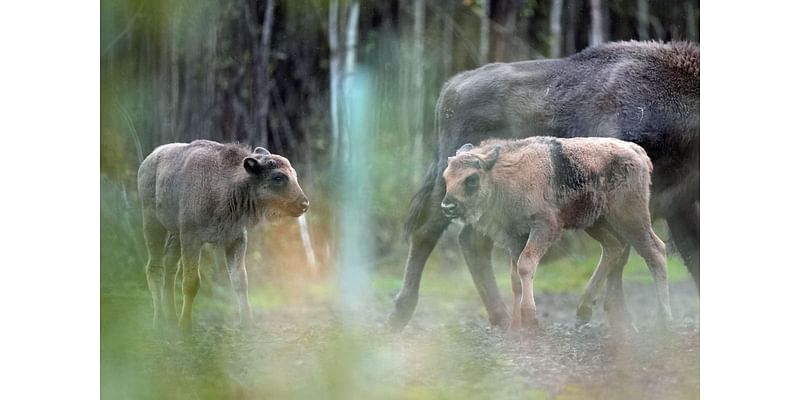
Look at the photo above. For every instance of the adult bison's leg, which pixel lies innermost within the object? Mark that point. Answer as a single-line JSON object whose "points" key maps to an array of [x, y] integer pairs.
{"points": [[171, 258], [684, 226], [234, 253], [423, 240], [190, 258], [424, 227], [155, 237], [477, 250]]}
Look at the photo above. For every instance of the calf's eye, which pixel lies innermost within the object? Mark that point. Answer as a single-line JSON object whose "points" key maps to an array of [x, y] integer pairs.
{"points": [[471, 183], [278, 179]]}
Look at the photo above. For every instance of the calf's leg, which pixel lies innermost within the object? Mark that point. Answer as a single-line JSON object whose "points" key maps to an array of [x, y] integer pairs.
{"points": [[171, 259], [154, 237], [190, 258], [539, 240], [614, 304], [516, 287], [635, 227], [613, 257], [234, 254], [477, 250]]}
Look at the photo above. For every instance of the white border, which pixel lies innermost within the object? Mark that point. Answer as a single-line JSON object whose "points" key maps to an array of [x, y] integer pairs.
{"points": [[49, 85], [749, 118]]}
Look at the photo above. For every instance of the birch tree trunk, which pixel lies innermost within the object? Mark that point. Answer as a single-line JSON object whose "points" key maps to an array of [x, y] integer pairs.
{"points": [[262, 76], [333, 44], [643, 19], [596, 35], [484, 37], [555, 28], [351, 39]]}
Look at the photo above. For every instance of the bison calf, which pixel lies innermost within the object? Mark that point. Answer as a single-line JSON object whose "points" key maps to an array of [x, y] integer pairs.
{"points": [[207, 192], [523, 193]]}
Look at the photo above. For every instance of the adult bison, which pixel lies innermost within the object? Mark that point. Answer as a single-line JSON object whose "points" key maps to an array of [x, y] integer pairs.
{"points": [[208, 192], [644, 92]]}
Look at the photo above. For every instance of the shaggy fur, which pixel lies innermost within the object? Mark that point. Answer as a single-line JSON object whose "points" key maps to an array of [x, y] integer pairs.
{"points": [[207, 192], [644, 92], [524, 193]]}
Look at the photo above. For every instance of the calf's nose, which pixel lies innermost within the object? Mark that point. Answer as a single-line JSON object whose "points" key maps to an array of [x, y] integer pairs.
{"points": [[304, 205], [449, 207]]}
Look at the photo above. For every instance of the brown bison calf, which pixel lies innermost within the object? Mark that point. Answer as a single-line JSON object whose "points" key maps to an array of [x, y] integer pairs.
{"points": [[207, 192], [523, 193]]}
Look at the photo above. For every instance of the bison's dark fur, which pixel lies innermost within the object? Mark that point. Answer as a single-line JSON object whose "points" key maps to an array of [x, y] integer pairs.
{"points": [[644, 92]]}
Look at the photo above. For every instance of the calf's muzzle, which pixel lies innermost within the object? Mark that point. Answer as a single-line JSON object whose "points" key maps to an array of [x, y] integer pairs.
{"points": [[451, 207]]}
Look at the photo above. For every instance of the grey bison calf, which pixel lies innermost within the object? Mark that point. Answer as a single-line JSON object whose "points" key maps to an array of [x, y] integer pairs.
{"points": [[207, 192], [524, 193]]}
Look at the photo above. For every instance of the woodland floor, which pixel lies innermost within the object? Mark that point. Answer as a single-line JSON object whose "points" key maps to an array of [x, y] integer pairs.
{"points": [[302, 349]]}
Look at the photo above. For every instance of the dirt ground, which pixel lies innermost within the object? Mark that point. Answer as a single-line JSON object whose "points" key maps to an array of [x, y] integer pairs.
{"points": [[448, 351]]}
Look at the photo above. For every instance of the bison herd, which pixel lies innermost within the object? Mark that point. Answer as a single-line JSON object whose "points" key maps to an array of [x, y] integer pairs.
{"points": [[573, 143]]}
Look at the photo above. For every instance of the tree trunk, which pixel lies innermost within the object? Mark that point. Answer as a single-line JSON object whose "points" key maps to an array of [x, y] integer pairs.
{"points": [[691, 27], [484, 34], [597, 33], [555, 28], [505, 19], [333, 44], [211, 77], [418, 113], [262, 76], [447, 38], [572, 18], [643, 19], [351, 39]]}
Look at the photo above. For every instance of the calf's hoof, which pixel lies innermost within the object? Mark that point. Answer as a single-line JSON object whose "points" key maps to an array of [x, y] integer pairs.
{"points": [[580, 323], [185, 327], [514, 325], [583, 316], [529, 320]]}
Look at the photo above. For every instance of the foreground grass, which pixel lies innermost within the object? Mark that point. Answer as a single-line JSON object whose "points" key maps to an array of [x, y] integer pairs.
{"points": [[301, 349]]}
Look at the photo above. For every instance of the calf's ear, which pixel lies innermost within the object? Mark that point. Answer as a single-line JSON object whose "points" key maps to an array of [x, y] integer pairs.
{"points": [[488, 160], [261, 150], [252, 166], [466, 147]]}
